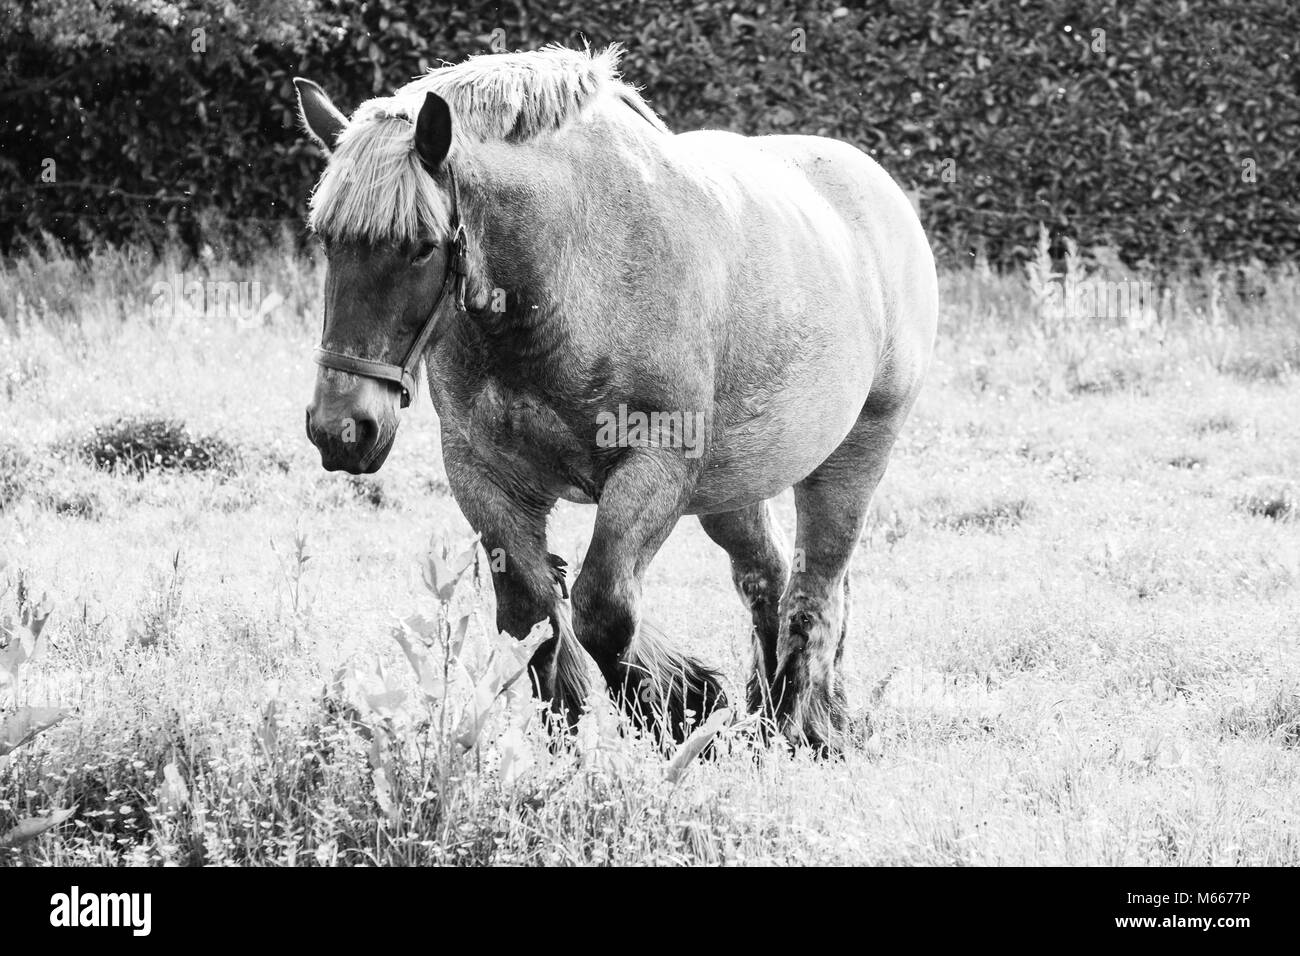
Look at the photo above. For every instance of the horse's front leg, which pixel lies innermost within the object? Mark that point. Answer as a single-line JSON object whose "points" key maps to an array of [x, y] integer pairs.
{"points": [[525, 578], [660, 687]]}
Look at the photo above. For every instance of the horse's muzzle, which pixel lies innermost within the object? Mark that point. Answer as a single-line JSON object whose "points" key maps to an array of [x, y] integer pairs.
{"points": [[357, 446]]}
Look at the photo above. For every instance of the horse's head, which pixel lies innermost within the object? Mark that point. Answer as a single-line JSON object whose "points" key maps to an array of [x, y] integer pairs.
{"points": [[384, 214]]}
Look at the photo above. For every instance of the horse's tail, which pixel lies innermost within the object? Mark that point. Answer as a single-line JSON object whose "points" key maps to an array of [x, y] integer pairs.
{"points": [[665, 688]]}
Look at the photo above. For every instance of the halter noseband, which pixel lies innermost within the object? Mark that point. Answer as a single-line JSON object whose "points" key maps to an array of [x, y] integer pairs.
{"points": [[403, 374]]}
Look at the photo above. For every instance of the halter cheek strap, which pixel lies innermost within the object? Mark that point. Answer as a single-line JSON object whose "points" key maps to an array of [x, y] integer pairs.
{"points": [[403, 374]]}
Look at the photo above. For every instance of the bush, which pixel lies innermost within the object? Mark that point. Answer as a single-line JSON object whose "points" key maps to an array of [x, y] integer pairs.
{"points": [[1156, 128], [138, 446]]}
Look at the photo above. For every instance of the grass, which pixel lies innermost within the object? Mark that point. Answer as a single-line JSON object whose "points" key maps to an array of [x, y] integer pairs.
{"points": [[1073, 636]]}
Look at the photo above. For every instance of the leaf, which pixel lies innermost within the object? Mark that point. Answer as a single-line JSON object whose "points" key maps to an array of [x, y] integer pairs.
{"points": [[441, 575], [782, 116], [480, 705], [436, 576], [513, 655], [21, 650], [18, 654], [461, 562], [508, 663], [516, 755], [426, 675], [174, 793], [24, 724], [387, 702], [33, 827], [696, 743], [35, 615], [423, 627], [458, 636], [327, 852], [384, 793]]}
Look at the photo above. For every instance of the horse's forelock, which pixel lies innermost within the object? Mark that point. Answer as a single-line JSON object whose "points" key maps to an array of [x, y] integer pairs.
{"points": [[375, 188]]}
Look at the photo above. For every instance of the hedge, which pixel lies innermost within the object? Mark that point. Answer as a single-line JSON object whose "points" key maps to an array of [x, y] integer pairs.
{"points": [[1166, 129]]}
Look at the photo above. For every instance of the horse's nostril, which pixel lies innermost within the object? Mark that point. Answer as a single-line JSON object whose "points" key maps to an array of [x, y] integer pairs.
{"points": [[311, 437], [367, 432]]}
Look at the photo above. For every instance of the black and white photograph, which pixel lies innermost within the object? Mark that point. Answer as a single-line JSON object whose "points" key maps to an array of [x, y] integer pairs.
{"points": [[650, 434]]}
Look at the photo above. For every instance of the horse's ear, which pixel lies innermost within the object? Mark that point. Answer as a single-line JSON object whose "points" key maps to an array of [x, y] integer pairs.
{"points": [[318, 114], [433, 131]]}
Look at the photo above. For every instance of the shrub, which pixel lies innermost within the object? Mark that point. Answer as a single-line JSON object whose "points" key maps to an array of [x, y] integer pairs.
{"points": [[138, 446], [1155, 128]]}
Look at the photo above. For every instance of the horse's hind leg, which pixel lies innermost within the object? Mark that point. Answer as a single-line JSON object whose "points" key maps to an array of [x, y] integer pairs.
{"points": [[653, 681], [760, 568], [832, 503]]}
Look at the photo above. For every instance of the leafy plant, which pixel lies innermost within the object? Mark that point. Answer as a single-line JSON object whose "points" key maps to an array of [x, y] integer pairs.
{"points": [[163, 607], [20, 642], [293, 571], [470, 710]]}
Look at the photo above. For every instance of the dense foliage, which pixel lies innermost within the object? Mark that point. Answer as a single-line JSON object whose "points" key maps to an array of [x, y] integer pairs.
{"points": [[1168, 129]]}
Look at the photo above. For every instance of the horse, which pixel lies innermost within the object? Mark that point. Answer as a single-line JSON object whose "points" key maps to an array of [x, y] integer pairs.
{"points": [[585, 287]]}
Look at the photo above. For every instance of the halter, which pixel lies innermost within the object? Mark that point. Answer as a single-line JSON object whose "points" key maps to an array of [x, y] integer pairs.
{"points": [[403, 374]]}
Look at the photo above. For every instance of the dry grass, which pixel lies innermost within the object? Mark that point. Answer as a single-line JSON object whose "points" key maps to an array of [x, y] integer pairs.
{"points": [[1074, 634]]}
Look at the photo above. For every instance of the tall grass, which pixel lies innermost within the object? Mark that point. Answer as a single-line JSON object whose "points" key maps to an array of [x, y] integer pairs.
{"points": [[1238, 321]]}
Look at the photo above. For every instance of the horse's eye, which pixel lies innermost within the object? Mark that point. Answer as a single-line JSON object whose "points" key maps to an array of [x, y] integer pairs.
{"points": [[423, 252]]}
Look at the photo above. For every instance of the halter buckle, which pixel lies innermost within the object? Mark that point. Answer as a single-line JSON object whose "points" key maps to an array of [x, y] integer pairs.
{"points": [[457, 264]]}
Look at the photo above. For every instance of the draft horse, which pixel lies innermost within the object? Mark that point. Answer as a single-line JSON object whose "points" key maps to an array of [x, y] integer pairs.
{"points": [[527, 227]]}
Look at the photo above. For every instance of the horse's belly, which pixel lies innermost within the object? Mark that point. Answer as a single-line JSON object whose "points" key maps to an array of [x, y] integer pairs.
{"points": [[724, 491], [741, 481], [770, 446]]}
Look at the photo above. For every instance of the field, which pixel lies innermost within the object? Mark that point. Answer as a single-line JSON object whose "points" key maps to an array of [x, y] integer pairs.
{"points": [[1074, 629]]}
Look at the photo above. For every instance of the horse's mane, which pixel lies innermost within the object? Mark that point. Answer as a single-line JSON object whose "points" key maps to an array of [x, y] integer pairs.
{"points": [[375, 188]]}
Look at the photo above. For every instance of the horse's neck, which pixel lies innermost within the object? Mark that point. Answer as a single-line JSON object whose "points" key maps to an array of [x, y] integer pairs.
{"points": [[546, 245], [538, 205], [511, 323], [523, 205]]}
